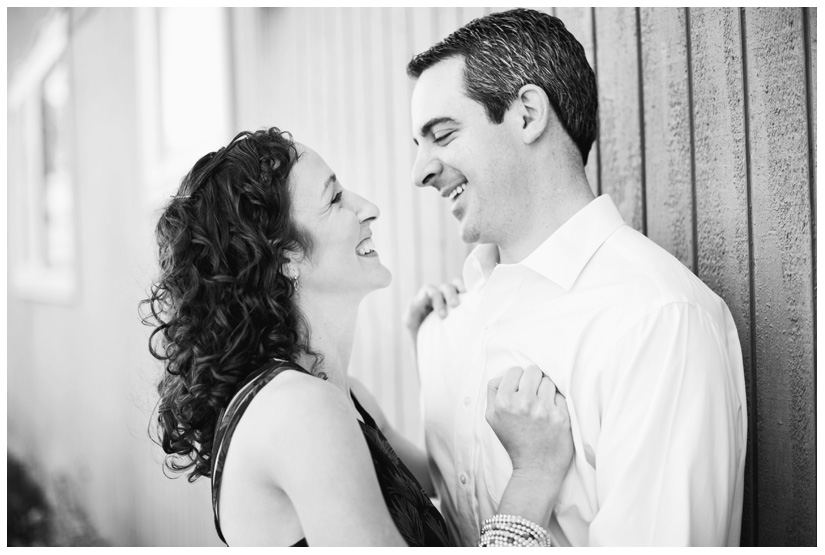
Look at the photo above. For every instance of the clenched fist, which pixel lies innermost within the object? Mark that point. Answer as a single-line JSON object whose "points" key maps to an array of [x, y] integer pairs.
{"points": [[530, 418]]}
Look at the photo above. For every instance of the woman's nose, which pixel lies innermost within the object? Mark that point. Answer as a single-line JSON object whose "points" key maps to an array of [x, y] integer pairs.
{"points": [[365, 209]]}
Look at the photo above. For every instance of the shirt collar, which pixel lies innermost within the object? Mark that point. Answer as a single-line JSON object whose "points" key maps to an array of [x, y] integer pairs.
{"points": [[562, 256], [483, 257]]}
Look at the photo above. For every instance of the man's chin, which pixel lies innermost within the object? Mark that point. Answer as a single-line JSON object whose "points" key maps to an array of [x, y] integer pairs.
{"points": [[468, 234]]}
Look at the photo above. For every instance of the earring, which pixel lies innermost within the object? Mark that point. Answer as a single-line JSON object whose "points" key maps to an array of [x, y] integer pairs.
{"points": [[295, 283]]}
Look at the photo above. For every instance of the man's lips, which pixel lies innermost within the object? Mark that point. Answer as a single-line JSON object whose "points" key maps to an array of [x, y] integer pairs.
{"points": [[453, 192]]}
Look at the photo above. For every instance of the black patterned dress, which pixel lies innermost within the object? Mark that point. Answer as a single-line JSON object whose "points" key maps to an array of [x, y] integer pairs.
{"points": [[417, 520]]}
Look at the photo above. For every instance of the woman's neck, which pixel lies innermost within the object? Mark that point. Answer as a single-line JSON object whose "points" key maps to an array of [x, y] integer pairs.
{"points": [[331, 331]]}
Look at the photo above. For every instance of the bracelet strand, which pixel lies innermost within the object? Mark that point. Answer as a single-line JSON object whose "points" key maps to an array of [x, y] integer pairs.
{"points": [[503, 530]]}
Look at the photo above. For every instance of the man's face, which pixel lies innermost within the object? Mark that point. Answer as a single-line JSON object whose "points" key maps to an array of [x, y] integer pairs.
{"points": [[470, 161]]}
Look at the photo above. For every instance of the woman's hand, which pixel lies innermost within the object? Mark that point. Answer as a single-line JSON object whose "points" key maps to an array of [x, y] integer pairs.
{"points": [[530, 418], [431, 298]]}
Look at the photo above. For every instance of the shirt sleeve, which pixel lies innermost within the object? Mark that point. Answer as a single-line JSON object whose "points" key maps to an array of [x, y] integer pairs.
{"points": [[671, 438]]}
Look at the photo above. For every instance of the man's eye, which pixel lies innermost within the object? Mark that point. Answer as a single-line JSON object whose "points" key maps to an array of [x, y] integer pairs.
{"points": [[440, 138], [337, 198]]}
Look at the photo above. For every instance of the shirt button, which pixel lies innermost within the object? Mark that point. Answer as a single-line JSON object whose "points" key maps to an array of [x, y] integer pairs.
{"points": [[463, 478], [466, 401]]}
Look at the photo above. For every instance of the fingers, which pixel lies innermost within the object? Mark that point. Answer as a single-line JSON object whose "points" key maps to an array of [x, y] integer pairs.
{"points": [[450, 294], [510, 379], [561, 403], [492, 390], [530, 380], [458, 283], [436, 298], [525, 384], [417, 309], [547, 390]]}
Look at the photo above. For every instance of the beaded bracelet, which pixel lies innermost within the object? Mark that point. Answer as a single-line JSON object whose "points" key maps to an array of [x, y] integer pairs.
{"points": [[510, 530]]}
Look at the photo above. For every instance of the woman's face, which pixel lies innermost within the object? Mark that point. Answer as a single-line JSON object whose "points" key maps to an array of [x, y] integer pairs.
{"points": [[343, 258]]}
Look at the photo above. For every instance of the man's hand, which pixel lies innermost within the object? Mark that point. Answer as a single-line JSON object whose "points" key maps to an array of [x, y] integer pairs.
{"points": [[431, 298]]}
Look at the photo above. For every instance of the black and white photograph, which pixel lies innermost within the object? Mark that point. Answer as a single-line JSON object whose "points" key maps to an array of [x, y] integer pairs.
{"points": [[411, 276]]}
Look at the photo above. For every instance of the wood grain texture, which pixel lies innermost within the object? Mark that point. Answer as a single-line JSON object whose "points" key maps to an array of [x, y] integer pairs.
{"points": [[667, 118], [723, 251], [579, 21], [620, 135], [811, 96], [781, 208]]}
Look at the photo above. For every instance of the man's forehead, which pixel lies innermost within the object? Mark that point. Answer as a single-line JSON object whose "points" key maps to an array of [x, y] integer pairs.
{"points": [[438, 92]]}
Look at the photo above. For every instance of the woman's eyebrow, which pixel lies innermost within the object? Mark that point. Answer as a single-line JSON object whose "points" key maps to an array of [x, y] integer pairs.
{"points": [[330, 181]]}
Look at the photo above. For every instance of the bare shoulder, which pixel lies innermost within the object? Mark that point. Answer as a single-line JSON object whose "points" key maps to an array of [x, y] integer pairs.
{"points": [[302, 438], [293, 417], [368, 402], [298, 398], [295, 391]]}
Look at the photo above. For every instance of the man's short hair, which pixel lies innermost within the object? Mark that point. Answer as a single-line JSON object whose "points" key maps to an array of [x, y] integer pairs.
{"points": [[504, 51]]}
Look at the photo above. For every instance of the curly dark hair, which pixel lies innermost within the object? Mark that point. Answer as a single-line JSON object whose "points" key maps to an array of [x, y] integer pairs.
{"points": [[222, 306], [504, 51]]}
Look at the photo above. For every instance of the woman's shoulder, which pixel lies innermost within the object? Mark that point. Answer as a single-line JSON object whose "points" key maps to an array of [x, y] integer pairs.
{"points": [[293, 416], [296, 427], [301, 437], [295, 397]]}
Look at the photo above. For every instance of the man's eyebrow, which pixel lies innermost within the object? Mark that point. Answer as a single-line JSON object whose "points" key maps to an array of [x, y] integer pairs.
{"points": [[427, 127]]}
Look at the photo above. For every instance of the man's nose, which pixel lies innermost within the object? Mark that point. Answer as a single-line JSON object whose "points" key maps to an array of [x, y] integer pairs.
{"points": [[426, 169]]}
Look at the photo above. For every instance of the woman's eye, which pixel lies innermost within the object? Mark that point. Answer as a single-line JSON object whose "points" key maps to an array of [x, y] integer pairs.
{"points": [[337, 198]]}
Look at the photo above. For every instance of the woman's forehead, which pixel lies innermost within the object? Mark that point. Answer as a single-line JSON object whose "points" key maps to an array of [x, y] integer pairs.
{"points": [[310, 163], [309, 176]]}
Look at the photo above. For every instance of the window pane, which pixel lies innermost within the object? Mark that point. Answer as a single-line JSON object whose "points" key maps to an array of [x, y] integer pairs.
{"points": [[193, 88], [58, 246]]}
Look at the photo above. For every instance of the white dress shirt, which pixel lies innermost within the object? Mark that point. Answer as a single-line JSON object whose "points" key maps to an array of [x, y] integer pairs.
{"points": [[649, 361]]}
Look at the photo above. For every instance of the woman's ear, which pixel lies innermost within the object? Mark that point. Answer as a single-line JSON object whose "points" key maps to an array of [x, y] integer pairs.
{"points": [[535, 111], [292, 267], [291, 270]]}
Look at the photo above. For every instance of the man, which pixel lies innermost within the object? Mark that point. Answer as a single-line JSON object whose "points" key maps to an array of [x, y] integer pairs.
{"points": [[504, 113]]}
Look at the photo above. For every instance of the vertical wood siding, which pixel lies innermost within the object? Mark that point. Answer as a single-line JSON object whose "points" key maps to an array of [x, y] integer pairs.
{"points": [[722, 199], [621, 135], [780, 183], [707, 144]]}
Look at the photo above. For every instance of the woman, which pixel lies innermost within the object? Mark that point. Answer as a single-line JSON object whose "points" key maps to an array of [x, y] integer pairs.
{"points": [[264, 260]]}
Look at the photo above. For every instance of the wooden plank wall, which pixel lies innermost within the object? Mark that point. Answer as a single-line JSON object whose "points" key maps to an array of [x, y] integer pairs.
{"points": [[707, 144]]}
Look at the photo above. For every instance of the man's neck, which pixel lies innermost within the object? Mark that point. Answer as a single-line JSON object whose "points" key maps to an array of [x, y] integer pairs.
{"points": [[549, 209]]}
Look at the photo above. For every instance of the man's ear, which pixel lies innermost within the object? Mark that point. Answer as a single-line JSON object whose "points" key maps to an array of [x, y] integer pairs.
{"points": [[535, 112]]}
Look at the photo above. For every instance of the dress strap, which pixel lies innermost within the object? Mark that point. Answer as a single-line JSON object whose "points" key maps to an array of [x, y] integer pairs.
{"points": [[362, 411], [230, 416]]}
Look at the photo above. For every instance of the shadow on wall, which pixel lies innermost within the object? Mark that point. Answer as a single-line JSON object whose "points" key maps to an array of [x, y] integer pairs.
{"points": [[45, 512]]}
